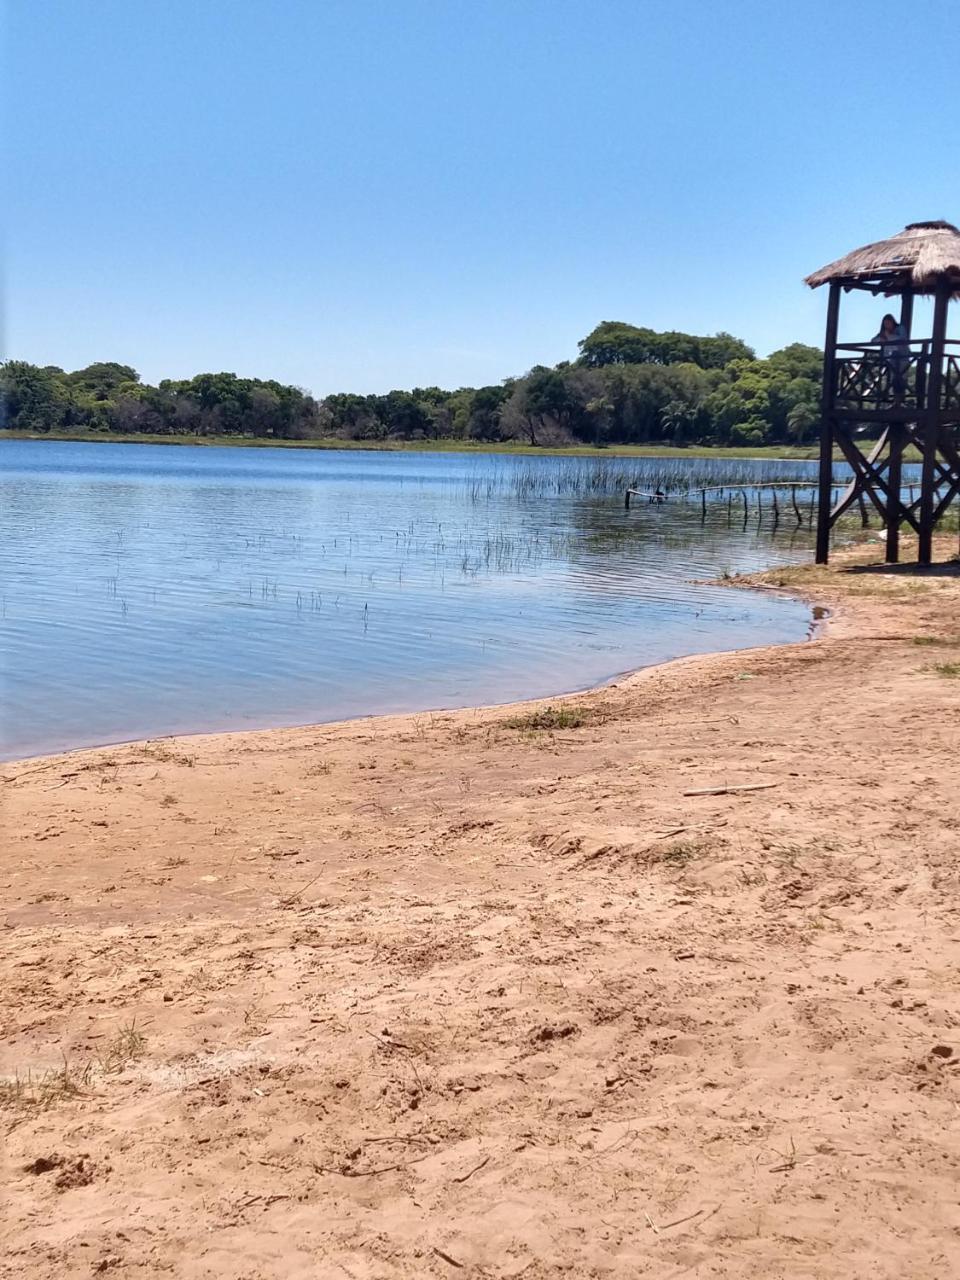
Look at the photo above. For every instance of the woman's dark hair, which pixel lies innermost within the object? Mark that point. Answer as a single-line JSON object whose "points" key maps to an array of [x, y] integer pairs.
{"points": [[892, 319]]}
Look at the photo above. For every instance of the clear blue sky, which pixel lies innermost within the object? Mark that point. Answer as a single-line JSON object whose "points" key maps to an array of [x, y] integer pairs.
{"points": [[361, 196]]}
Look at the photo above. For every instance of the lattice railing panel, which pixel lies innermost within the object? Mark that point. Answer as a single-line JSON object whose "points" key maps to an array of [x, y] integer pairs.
{"points": [[869, 378], [869, 382]]}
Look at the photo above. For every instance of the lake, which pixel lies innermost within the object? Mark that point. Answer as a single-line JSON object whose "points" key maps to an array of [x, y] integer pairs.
{"points": [[150, 590]]}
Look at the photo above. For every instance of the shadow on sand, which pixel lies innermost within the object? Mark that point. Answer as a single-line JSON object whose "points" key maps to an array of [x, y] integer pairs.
{"points": [[949, 569]]}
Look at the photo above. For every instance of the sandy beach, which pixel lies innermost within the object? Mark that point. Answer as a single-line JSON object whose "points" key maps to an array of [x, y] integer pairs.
{"points": [[658, 980]]}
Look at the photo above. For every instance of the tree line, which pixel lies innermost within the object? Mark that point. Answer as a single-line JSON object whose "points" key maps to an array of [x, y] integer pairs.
{"points": [[629, 385]]}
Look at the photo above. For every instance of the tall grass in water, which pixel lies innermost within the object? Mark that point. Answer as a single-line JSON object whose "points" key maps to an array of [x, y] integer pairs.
{"points": [[528, 478]]}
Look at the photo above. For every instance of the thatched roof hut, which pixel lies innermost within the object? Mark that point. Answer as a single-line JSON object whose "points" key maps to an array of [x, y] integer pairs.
{"points": [[921, 257]]}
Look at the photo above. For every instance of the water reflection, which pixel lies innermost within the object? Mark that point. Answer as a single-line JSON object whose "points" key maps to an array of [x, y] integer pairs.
{"points": [[151, 590]]}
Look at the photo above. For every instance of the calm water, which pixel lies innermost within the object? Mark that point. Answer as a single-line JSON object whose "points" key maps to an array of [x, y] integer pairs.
{"points": [[149, 590]]}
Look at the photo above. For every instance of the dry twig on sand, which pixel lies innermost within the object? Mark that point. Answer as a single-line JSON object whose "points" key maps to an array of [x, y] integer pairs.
{"points": [[697, 826], [447, 1258], [476, 1169], [732, 790], [702, 1214], [293, 898], [346, 1172]]}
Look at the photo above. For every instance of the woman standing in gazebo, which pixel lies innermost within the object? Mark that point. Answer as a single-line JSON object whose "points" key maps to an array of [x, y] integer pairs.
{"points": [[894, 351]]}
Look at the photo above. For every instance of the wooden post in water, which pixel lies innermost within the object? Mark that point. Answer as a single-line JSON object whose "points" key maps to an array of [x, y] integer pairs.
{"points": [[796, 509]]}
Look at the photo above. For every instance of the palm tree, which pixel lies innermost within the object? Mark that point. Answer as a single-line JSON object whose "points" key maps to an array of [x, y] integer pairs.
{"points": [[800, 419], [675, 418]]}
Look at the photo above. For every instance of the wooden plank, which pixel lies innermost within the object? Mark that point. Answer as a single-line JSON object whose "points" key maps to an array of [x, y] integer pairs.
{"points": [[849, 495], [869, 476]]}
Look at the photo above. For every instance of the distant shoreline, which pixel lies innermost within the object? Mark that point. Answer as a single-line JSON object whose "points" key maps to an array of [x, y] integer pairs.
{"points": [[763, 453]]}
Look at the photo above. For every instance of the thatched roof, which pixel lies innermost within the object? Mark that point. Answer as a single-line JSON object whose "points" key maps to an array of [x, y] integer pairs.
{"points": [[920, 257]]}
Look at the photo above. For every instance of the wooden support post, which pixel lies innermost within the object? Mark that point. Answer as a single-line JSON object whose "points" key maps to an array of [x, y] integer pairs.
{"points": [[896, 437], [894, 500], [826, 426], [703, 506], [906, 312], [626, 500], [931, 424]]}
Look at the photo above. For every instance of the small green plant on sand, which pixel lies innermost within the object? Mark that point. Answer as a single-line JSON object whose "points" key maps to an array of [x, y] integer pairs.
{"points": [[40, 1090], [125, 1047], [46, 1088], [949, 669]]}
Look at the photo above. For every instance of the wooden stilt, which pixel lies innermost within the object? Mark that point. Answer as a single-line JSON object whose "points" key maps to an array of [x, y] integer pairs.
{"points": [[894, 502], [931, 424], [827, 426]]}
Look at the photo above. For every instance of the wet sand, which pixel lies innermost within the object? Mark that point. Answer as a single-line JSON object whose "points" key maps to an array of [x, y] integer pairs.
{"points": [[457, 995]]}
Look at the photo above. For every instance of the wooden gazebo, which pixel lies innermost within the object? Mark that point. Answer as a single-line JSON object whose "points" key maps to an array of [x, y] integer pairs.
{"points": [[874, 406]]}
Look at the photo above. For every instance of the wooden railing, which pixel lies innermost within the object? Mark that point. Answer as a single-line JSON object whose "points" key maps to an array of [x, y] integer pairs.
{"points": [[951, 379], [870, 379]]}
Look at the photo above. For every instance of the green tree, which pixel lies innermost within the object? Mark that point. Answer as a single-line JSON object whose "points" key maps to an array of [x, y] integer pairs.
{"points": [[615, 342], [31, 399], [539, 405], [103, 380], [486, 411], [798, 361]]}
